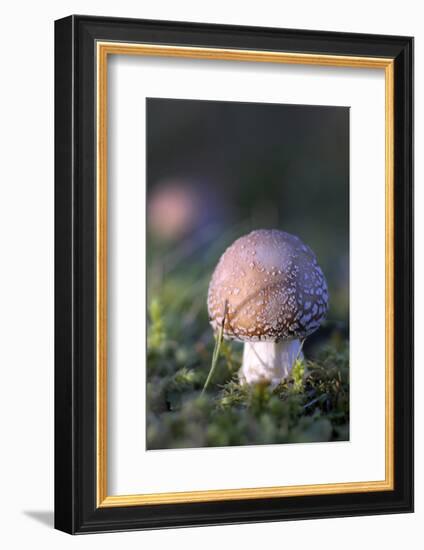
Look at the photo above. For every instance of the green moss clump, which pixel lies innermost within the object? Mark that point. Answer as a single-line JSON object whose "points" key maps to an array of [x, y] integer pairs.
{"points": [[311, 406]]}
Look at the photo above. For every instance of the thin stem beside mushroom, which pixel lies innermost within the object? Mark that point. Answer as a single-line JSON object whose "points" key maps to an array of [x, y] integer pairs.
{"points": [[215, 355]]}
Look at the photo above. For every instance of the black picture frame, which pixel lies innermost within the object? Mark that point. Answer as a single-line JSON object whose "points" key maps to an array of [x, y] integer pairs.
{"points": [[76, 509]]}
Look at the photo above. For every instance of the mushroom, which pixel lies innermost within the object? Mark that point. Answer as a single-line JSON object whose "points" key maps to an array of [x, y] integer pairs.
{"points": [[269, 292]]}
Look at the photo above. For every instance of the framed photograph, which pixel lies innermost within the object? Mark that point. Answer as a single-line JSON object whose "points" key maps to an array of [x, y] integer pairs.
{"points": [[234, 274]]}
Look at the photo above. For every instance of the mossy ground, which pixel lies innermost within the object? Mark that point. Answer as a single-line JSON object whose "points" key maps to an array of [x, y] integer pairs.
{"points": [[311, 406]]}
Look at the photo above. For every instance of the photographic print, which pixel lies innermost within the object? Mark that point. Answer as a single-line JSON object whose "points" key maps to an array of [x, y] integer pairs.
{"points": [[247, 273]]}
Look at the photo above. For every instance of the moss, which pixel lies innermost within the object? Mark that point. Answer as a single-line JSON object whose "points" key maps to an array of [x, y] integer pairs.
{"points": [[312, 405]]}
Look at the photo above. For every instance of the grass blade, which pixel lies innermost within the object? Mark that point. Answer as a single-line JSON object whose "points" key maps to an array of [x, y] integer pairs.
{"points": [[215, 355]]}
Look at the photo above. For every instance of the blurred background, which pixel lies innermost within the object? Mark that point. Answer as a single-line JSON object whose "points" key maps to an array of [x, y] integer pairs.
{"points": [[217, 170]]}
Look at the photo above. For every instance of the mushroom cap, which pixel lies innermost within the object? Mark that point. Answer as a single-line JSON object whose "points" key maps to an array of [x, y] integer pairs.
{"points": [[270, 287]]}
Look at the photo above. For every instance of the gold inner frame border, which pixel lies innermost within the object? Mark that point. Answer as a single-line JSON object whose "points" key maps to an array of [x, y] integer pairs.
{"points": [[103, 50]]}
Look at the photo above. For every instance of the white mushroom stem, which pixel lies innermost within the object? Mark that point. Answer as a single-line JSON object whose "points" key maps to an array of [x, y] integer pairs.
{"points": [[269, 361]]}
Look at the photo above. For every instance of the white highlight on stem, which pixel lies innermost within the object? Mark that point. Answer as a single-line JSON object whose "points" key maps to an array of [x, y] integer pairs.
{"points": [[269, 362]]}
